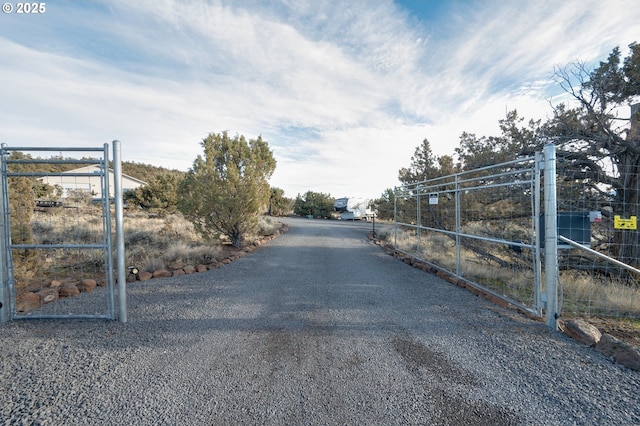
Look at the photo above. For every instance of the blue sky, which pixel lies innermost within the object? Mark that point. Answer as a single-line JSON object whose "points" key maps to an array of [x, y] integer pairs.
{"points": [[343, 91]]}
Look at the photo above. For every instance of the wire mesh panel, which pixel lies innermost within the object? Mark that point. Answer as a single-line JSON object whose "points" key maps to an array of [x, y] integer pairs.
{"points": [[479, 225], [58, 228], [600, 276]]}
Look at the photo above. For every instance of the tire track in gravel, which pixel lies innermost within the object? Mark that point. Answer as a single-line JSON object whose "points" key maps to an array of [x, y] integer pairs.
{"points": [[339, 274]]}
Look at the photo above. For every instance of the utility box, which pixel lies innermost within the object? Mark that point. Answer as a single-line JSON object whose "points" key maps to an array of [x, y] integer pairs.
{"points": [[575, 226]]}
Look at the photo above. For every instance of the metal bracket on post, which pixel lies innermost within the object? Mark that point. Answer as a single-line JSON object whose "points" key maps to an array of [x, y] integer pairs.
{"points": [[117, 181], [550, 237]]}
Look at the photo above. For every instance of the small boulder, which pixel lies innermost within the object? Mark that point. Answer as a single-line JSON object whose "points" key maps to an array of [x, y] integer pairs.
{"points": [[162, 273], [620, 351], [32, 297], [629, 357], [608, 345], [48, 295], [29, 302], [582, 331], [68, 290], [201, 268], [178, 272], [87, 285], [55, 283], [144, 276], [189, 269]]}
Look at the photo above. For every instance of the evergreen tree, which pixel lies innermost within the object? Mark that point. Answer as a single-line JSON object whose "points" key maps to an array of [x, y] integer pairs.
{"points": [[314, 204], [279, 205], [598, 144], [226, 189]]}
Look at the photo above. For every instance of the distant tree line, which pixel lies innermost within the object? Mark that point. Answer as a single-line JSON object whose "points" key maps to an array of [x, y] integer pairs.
{"points": [[314, 204]]}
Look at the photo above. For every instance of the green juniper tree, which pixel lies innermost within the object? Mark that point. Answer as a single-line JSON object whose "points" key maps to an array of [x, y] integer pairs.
{"points": [[226, 189]]}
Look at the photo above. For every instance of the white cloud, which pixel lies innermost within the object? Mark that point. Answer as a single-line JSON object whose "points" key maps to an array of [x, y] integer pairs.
{"points": [[342, 91]]}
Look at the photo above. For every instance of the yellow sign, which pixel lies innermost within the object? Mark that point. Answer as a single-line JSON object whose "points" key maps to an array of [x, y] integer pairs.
{"points": [[619, 223]]}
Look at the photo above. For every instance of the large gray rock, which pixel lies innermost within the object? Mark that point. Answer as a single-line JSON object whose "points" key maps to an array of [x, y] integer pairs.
{"points": [[582, 331]]}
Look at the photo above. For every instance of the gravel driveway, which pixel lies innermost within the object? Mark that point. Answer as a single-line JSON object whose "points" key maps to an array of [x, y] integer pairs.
{"points": [[317, 327]]}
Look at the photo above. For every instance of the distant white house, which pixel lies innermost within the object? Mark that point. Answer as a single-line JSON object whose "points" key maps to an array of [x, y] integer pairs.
{"points": [[91, 184]]}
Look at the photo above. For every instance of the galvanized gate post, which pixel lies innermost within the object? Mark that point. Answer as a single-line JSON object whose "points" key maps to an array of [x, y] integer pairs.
{"points": [[117, 181], [395, 217], [550, 236], [535, 230], [458, 215], [419, 222], [5, 297]]}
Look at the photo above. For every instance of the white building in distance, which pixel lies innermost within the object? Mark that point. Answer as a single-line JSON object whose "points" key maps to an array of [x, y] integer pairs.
{"points": [[91, 184]]}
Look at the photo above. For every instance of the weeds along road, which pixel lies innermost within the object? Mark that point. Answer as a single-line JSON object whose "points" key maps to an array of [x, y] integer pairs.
{"points": [[317, 327]]}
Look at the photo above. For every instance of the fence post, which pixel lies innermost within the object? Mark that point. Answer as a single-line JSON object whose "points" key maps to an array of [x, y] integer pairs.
{"points": [[535, 227], [458, 226], [5, 301], [550, 236], [117, 184], [395, 218], [419, 219]]}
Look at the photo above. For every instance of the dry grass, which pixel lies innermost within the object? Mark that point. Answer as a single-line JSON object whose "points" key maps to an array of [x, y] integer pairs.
{"points": [[266, 226], [583, 293], [151, 243]]}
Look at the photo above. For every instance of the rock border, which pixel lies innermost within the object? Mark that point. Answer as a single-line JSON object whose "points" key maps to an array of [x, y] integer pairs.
{"points": [[608, 345], [180, 269], [580, 330], [59, 289]]}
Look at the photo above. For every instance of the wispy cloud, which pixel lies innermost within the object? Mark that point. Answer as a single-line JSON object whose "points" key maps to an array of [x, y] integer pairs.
{"points": [[342, 91]]}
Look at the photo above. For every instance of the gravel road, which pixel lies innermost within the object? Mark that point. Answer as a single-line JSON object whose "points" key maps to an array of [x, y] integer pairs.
{"points": [[317, 327]]}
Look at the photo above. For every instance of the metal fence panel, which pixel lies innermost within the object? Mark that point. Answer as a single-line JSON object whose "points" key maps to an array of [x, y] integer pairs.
{"points": [[478, 225], [57, 260], [578, 257]]}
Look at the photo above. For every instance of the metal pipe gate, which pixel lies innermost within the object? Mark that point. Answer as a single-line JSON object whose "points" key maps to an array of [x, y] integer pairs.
{"points": [[56, 256]]}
